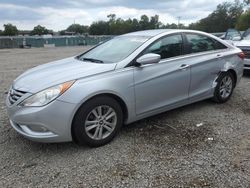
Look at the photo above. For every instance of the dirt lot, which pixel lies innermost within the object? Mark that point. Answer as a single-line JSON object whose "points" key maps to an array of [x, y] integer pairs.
{"points": [[167, 150]]}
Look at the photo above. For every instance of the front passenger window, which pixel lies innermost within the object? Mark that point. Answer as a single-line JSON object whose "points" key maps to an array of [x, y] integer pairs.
{"points": [[167, 47]]}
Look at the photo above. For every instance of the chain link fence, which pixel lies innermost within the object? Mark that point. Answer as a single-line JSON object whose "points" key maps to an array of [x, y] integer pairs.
{"points": [[30, 41]]}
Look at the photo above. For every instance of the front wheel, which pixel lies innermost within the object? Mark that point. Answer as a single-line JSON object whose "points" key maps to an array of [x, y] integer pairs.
{"points": [[224, 88], [97, 121]]}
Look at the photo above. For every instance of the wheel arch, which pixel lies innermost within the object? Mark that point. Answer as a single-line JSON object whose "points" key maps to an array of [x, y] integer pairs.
{"points": [[234, 75], [112, 95], [233, 72], [118, 99]]}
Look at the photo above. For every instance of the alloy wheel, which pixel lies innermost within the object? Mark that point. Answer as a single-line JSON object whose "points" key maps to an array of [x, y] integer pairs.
{"points": [[100, 122], [226, 87]]}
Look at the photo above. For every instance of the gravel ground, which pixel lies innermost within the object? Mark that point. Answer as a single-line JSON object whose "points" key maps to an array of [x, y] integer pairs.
{"points": [[167, 150]]}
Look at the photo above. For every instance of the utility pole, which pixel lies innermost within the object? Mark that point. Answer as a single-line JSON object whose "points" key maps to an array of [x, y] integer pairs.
{"points": [[179, 18]]}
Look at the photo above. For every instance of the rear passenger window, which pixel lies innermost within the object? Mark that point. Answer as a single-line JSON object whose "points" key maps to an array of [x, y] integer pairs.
{"points": [[219, 45], [200, 43], [167, 47]]}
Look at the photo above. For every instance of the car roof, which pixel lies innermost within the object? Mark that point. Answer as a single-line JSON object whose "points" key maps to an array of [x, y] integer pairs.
{"points": [[155, 32], [149, 33]]}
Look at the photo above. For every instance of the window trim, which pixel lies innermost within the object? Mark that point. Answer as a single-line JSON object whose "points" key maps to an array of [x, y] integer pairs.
{"points": [[133, 62], [195, 54], [183, 55], [192, 33], [182, 45]]}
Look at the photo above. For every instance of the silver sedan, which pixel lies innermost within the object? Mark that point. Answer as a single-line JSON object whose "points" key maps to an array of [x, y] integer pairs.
{"points": [[89, 97]]}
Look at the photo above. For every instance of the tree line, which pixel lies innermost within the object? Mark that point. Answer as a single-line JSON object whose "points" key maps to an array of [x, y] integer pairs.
{"points": [[227, 15]]}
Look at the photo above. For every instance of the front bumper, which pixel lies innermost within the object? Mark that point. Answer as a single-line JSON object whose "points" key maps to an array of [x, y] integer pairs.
{"points": [[247, 64], [50, 123]]}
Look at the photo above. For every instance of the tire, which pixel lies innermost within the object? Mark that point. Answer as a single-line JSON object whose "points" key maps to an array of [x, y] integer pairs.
{"points": [[220, 95], [88, 123]]}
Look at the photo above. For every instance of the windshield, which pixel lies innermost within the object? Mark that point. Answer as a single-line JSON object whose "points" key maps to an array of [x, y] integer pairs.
{"points": [[247, 37], [114, 50], [246, 34], [231, 33]]}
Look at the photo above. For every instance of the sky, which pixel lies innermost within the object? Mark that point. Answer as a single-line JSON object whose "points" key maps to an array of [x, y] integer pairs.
{"points": [[59, 14]]}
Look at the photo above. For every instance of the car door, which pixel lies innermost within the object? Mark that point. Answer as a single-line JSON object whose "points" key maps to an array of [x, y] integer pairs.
{"points": [[205, 57], [165, 83]]}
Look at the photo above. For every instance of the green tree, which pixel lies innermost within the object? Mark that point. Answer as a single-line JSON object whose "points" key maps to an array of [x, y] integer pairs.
{"points": [[117, 26], [10, 30], [1, 32], [112, 18], [182, 26], [99, 28], [225, 16], [135, 25], [154, 22], [235, 11], [243, 22], [77, 28], [112, 25], [62, 32], [144, 22], [39, 30], [173, 26]]}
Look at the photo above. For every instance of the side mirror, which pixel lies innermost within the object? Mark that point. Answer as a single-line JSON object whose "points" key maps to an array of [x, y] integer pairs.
{"points": [[237, 38], [148, 59]]}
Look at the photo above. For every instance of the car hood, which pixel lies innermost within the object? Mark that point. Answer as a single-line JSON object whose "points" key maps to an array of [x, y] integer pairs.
{"points": [[242, 43], [57, 72]]}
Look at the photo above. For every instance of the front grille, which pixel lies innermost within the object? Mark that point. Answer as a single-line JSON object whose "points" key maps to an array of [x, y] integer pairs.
{"points": [[15, 95], [247, 54]]}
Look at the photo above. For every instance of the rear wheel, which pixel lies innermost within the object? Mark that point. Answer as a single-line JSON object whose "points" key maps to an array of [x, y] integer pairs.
{"points": [[224, 88], [97, 121]]}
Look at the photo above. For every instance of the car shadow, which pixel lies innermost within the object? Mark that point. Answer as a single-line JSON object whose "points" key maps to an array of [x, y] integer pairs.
{"points": [[246, 73], [174, 112], [175, 127], [151, 130]]}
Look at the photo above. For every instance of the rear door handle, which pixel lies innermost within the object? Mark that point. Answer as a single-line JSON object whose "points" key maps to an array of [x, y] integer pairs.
{"points": [[184, 66]]}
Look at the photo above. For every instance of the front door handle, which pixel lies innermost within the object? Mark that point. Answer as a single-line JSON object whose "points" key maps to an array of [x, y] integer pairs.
{"points": [[219, 55], [184, 66]]}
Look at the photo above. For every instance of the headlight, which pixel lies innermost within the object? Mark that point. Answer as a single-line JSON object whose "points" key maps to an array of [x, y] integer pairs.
{"points": [[46, 96]]}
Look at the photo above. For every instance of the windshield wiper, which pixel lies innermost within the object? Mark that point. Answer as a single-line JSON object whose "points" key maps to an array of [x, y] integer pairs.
{"points": [[92, 60]]}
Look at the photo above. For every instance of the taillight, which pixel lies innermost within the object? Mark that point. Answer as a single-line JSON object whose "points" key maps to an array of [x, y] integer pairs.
{"points": [[241, 55]]}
